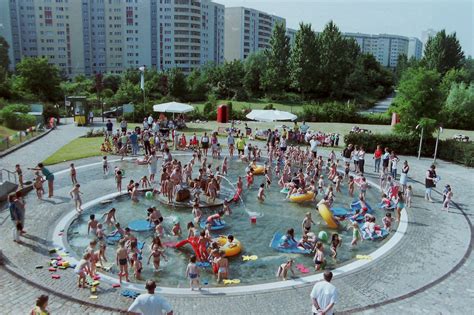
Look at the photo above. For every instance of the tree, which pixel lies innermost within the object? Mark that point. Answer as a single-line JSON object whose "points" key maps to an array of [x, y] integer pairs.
{"points": [[304, 60], [276, 74], [128, 92], [443, 52], [39, 78], [197, 85], [177, 83], [418, 97], [459, 108], [337, 56], [231, 79], [253, 66], [112, 81], [451, 77]]}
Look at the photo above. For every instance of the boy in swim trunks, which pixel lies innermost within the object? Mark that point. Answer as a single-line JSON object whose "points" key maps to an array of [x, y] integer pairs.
{"points": [[92, 225], [122, 261], [192, 272], [223, 267], [319, 257]]}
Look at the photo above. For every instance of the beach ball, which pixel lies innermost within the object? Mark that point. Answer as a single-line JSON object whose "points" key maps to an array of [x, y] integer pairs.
{"points": [[149, 195], [323, 236]]}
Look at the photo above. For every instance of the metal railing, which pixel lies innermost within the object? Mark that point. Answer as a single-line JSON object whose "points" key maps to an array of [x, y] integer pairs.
{"points": [[9, 176]]}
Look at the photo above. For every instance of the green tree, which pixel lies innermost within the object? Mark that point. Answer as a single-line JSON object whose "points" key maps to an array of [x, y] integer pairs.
{"points": [[451, 77], [40, 78], [4, 59], [197, 85], [253, 66], [443, 52], [276, 74], [177, 84], [304, 60], [231, 79], [337, 56], [128, 92], [112, 81], [418, 97], [459, 107]]}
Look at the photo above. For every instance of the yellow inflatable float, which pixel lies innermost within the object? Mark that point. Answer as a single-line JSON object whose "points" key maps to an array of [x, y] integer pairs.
{"points": [[327, 216], [308, 196], [258, 170], [230, 249]]}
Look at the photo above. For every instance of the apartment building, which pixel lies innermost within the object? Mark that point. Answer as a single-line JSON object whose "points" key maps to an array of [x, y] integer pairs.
{"points": [[247, 31], [415, 48], [291, 33], [384, 47], [92, 36]]}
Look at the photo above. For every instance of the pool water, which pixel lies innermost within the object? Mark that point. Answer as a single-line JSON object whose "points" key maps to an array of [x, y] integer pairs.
{"points": [[275, 214]]}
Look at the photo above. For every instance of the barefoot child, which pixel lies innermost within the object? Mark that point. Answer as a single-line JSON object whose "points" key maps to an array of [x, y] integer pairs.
{"points": [[307, 222], [156, 252], [192, 272], [19, 172], [82, 269], [335, 243], [387, 221], [351, 186], [137, 266], [223, 267], [76, 196], [318, 259], [39, 185], [92, 225], [261, 193], [176, 229], [73, 174], [122, 261], [17, 231], [408, 195], [355, 233], [110, 218], [118, 180], [283, 269], [447, 200], [105, 165]]}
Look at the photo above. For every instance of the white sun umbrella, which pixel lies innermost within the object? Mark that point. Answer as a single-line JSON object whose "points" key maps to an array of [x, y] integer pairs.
{"points": [[270, 115], [173, 107]]}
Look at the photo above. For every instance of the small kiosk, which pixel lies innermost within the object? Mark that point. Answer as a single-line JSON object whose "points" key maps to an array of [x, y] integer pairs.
{"points": [[80, 109]]}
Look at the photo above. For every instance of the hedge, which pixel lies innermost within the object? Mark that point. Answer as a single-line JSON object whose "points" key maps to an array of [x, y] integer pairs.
{"points": [[449, 150]]}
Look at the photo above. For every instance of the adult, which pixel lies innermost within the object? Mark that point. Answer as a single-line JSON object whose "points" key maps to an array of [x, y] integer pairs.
{"points": [[230, 143], [355, 158], [109, 127], [240, 145], [270, 138], [313, 143], [152, 165], [134, 142], [145, 124], [150, 120], [361, 160], [123, 125], [49, 177], [385, 160], [146, 142], [347, 153], [404, 176], [430, 182], [91, 117], [205, 143], [324, 296], [20, 205], [150, 303], [15, 213], [283, 144], [41, 305], [378, 158], [304, 127]]}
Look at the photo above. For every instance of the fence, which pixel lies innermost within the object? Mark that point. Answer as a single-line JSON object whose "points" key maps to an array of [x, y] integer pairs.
{"points": [[19, 137]]}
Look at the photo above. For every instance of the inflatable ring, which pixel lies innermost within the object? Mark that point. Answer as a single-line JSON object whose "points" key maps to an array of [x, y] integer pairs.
{"points": [[302, 197], [258, 170], [328, 217], [229, 250]]}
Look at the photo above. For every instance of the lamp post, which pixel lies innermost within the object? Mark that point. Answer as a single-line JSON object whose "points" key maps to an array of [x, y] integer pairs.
{"points": [[440, 130], [421, 140]]}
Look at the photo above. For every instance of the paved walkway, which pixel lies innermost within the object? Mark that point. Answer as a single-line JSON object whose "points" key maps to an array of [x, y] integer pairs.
{"points": [[434, 244]]}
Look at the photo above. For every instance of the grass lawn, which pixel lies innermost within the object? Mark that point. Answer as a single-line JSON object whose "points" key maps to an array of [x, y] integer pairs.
{"points": [[8, 143], [76, 149], [5, 132], [258, 104]]}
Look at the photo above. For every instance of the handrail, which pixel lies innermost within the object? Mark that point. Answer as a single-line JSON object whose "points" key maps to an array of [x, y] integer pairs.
{"points": [[10, 175]]}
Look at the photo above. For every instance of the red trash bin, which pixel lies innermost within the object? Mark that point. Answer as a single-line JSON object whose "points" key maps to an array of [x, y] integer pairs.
{"points": [[222, 114]]}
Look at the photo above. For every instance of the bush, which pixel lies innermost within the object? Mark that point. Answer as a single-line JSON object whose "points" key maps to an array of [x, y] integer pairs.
{"points": [[17, 120], [374, 119], [49, 110], [268, 106], [449, 150]]}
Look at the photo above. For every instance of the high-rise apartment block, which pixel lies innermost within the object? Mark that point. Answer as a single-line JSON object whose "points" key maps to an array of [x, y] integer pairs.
{"points": [[385, 48], [91, 36], [247, 31], [415, 48], [291, 33]]}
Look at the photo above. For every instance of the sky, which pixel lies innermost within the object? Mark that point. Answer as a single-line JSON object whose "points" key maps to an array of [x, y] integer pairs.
{"points": [[406, 17]]}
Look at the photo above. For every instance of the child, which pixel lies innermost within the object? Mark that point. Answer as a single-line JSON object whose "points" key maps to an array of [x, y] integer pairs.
{"points": [[145, 182], [19, 172], [17, 231], [335, 243], [192, 272], [76, 196], [447, 200], [73, 174], [283, 269], [249, 178], [118, 180], [351, 186], [134, 194], [339, 179], [122, 261], [363, 186], [105, 165], [92, 225], [226, 207], [387, 221], [137, 266], [197, 213], [176, 229], [82, 269], [445, 191], [319, 257], [110, 218], [223, 266], [346, 170], [307, 222], [408, 195], [261, 193], [321, 184], [355, 233], [39, 185], [159, 230]]}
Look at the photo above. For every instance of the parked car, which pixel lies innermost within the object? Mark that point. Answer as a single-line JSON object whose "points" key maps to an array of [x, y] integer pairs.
{"points": [[114, 112], [462, 138]]}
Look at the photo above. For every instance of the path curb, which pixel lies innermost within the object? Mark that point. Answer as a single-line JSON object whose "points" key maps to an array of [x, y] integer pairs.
{"points": [[21, 145]]}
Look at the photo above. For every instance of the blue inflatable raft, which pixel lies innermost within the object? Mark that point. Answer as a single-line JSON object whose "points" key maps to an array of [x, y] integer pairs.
{"points": [[276, 241]]}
